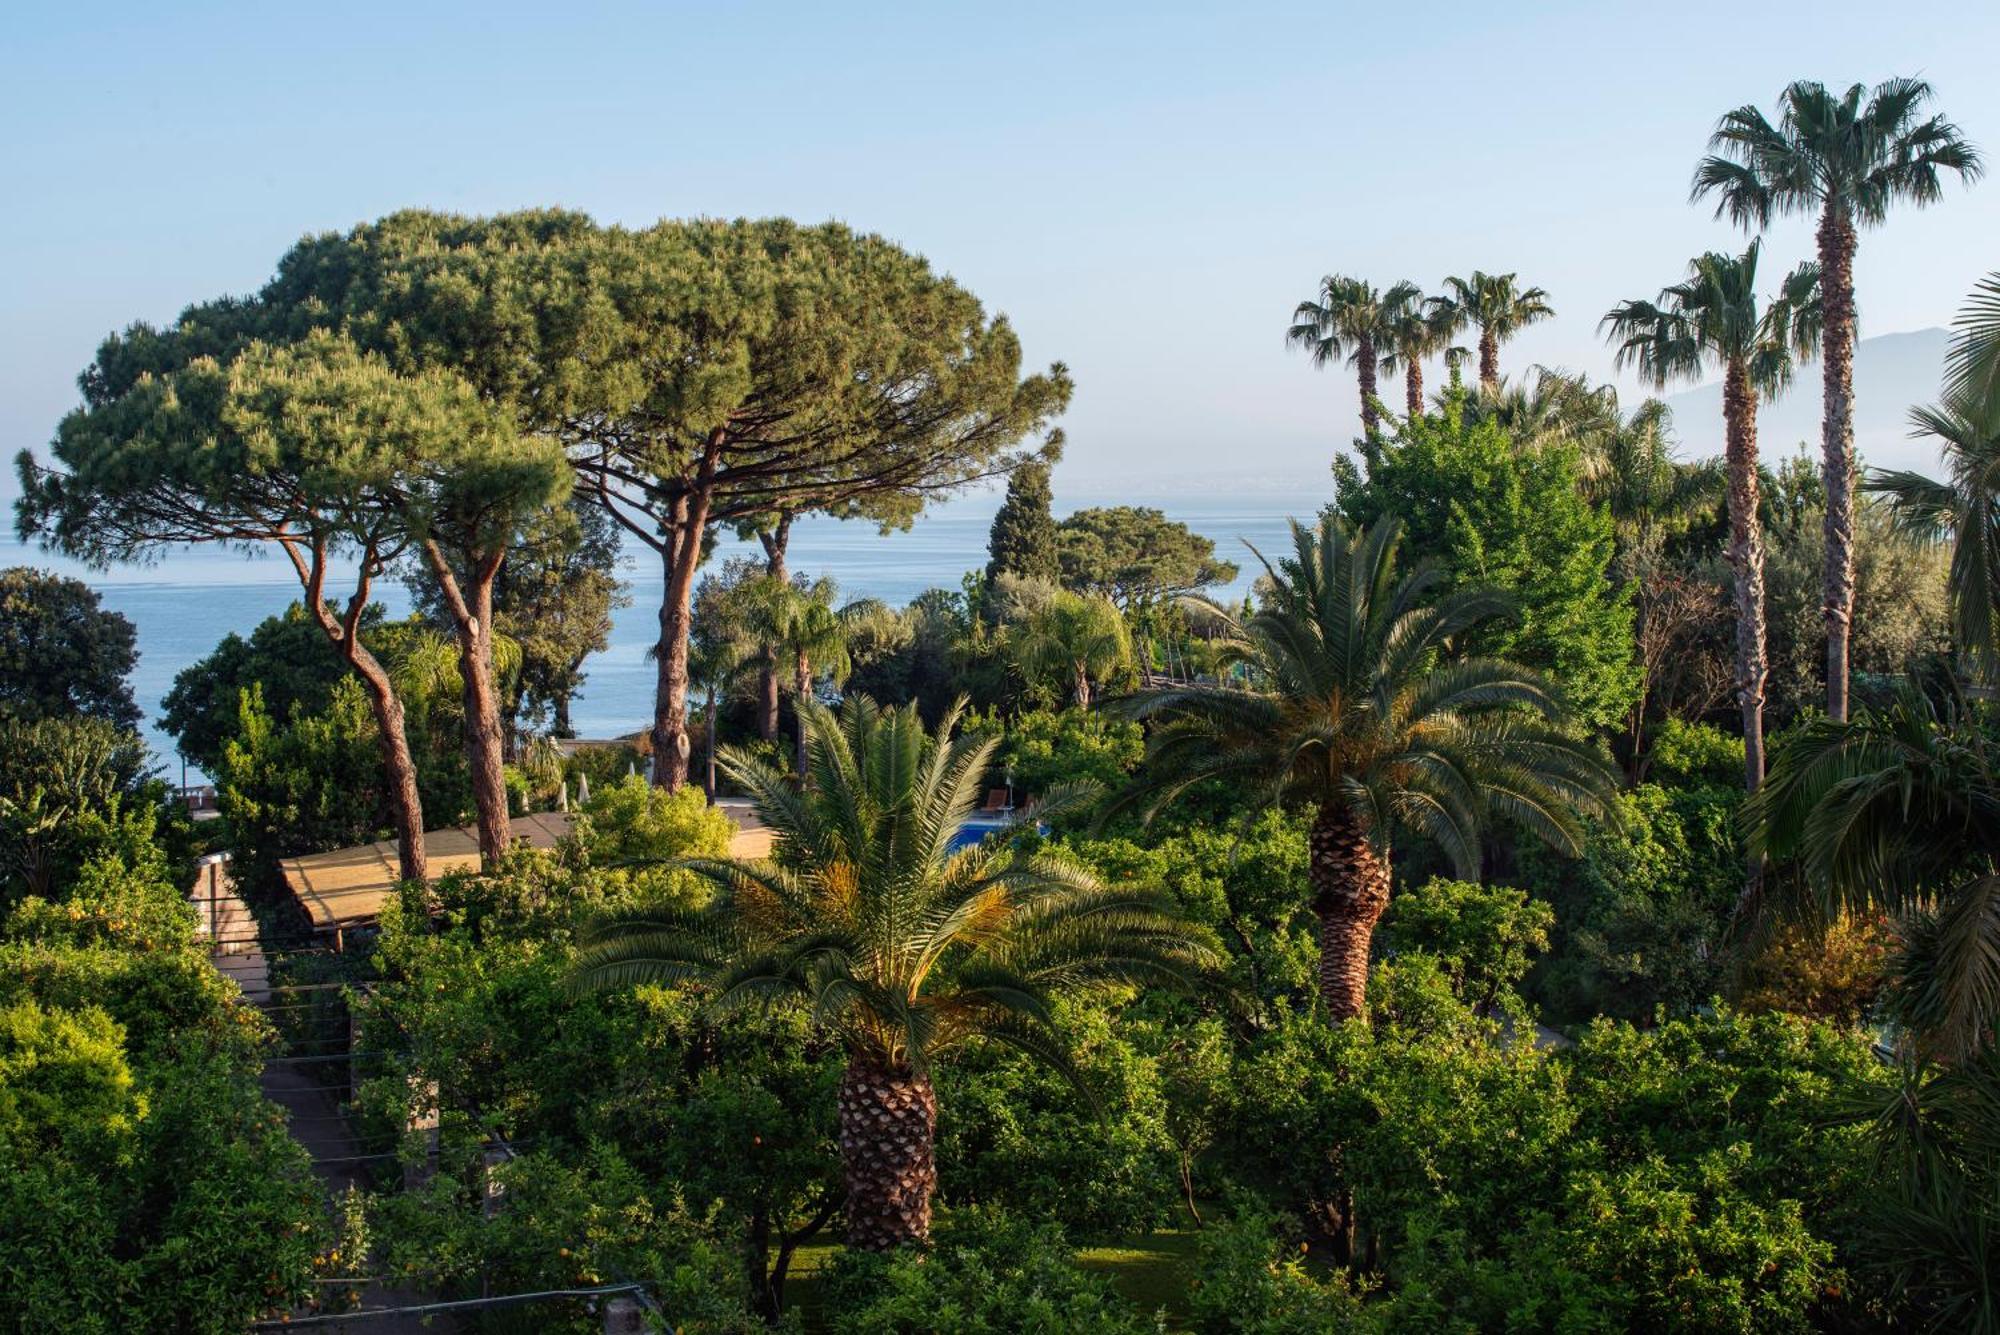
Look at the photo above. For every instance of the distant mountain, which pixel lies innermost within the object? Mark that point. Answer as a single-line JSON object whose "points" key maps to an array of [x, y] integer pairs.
{"points": [[1892, 372]]}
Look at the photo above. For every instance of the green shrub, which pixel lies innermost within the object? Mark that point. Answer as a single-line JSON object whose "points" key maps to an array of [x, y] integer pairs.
{"points": [[1691, 754], [632, 821], [1640, 916], [1486, 937], [1046, 748], [310, 783], [987, 1274], [1697, 1176], [1016, 1134], [574, 1224], [1253, 1278]]}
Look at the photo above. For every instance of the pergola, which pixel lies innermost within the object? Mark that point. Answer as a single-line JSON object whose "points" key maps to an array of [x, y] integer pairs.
{"points": [[345, 889]]}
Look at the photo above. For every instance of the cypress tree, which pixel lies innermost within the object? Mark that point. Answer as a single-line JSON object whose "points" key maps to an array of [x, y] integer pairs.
{"points": [[1023, 541]]}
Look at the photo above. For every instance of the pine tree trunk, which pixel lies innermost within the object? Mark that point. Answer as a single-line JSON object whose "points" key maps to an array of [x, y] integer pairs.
{"points": [[1350, 884], [399, 767], [775, 544], [561, 723], [392, 738], [683, 533], [1746, 564], [1836, 260], [888, 1122], [1413, 388], [1489, 362], [470, 605], [1364, 365]]}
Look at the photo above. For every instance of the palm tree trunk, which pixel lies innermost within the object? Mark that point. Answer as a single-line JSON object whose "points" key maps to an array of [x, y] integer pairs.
{"points": [[1350, 884], [1836, 260], [1082, 687], [1489, 362], [888, 1122], [1746, 563], [775, 544], [1365, 362], [1413, 388], [708, 773], [801, 691]]}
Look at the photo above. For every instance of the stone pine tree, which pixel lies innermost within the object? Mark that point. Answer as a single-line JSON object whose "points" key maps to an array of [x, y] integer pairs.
{"points": [[1024, 540], [701, 375], [308, 449]]}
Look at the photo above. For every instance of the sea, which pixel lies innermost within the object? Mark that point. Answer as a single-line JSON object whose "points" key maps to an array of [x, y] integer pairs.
{"points": [[185, 603]]}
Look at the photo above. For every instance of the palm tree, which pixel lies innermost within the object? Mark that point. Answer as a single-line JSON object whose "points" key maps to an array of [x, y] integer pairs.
{"points": [[1714, 318], [1348, 319], [1899, 811], [1073, 637], [903, 945], [1966, 509], [1848, 159], [1498, 307], [801, 629], [1416, 331], [1973, 364], [1356, 709]]}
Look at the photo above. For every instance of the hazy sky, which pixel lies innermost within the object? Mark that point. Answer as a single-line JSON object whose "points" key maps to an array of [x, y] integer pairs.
{"points": [[1146, 190]]}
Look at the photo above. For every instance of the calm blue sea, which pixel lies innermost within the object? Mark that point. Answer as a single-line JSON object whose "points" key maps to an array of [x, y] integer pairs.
{"points": [[185, 604]]}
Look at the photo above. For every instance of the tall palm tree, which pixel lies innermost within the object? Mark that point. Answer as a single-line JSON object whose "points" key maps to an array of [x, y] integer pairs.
{"points": [[903, 945], [1075, 638], [1349, 319], [1898, 810], [1965, 508], [1416, 332], [1847, 158], [1356, 709], [1498, 307], [1714, 318]]}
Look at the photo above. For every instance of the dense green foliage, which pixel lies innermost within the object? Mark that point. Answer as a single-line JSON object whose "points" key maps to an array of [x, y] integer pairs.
{"points": [[144, 1182], [61, 653], [1515, 520]]}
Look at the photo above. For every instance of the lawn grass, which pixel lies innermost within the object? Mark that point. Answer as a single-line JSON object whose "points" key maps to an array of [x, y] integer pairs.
{"points": [[1150, 1270]]}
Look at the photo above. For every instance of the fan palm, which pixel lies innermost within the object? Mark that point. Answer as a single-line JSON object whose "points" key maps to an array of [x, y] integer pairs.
{"points": [[1349, 319], [1415, 332], [1356, 710], [1498, 307], [1847, 158], [1965, 508], [799, 628], [1898, 810], [1714, 317], [904, 945], [1075, 638], [1973, 364]]}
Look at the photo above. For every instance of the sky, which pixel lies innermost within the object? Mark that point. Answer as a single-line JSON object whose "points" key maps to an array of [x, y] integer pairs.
{"points": [[1145, 190]]}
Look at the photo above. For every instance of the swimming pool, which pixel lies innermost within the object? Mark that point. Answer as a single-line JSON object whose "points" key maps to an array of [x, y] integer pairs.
{"points": [[978, 828]]}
